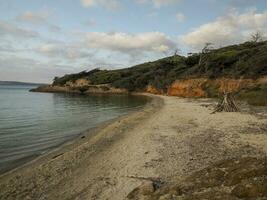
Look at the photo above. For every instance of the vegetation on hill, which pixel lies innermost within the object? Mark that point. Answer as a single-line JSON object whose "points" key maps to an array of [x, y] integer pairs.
{"points": [[247, 60]]}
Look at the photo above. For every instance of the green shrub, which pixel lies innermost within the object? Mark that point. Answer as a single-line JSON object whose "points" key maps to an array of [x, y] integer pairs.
{"points": [[247, 60]]}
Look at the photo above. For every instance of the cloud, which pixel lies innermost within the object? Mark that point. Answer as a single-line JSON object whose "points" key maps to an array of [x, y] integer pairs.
{"points": [[6, 47], [107, 4], [8, 29], [90, 22], [159, 3], [132, 44], [26, 69], [240, 3], [153, 14], [180, 17], [54, 28], [233, 28], [38, 18], [33, 18], [62, 50]]}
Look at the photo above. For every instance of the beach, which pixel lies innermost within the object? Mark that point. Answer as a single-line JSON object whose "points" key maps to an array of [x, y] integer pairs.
{"points": [[168, 140]]}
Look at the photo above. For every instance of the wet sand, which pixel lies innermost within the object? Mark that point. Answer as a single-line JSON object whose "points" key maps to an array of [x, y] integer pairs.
{"points": [[168, 140]]}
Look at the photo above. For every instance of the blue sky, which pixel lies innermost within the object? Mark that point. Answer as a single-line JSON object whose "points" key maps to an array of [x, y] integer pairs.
{"points": [[41, 39]]}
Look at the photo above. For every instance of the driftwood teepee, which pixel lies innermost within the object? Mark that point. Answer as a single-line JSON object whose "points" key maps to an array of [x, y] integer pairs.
{"points": [[227, 89], [227, 104]]}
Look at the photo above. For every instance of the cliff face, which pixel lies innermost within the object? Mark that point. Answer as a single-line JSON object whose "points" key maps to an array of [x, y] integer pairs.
{"points": [[211, 87], [202, 87], [152, 90], [81, 89], [188, 88], [250, 90], [78, 83], [105, 89]]}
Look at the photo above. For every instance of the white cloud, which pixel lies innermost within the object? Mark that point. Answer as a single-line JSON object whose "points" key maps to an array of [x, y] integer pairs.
{"points": [[61, 50], [131, 43], [8, 29], [158, 3], [38, 18], [108, 4], [33, 18], [233, 28], [180, 17], [89, 3], [26, 69]]}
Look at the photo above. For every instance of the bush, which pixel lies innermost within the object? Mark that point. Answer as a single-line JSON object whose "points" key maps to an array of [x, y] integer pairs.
{"points": [[245, 60]]}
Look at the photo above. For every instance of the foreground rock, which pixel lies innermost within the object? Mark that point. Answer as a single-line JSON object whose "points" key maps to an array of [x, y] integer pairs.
{"points": [[232, 179]]}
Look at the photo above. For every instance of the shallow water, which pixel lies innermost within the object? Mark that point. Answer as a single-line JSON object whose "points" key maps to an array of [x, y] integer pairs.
{"points": [[33, 123]]}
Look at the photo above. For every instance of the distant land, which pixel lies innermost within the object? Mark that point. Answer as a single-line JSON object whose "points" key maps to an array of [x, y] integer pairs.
{"points": [[19, 83], [240, 69]]}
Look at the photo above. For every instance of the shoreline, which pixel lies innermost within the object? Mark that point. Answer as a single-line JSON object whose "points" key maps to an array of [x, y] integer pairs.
{"points": [[81, 139], [89, 133], [169, 139]]}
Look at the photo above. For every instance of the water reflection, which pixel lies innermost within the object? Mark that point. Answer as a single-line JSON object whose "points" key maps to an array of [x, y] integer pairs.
{"points": [[33, 123]]}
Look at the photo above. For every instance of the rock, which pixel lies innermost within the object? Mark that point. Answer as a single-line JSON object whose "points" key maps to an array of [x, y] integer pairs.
{"points": [[251, 188], [146, 188], [232, 179]]}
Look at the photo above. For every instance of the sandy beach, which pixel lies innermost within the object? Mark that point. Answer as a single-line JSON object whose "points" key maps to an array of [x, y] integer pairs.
{"points": [[168, 140]]}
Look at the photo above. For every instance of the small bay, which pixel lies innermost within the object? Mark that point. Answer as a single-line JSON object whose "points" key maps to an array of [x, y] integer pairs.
{"points": [[31, 124]]}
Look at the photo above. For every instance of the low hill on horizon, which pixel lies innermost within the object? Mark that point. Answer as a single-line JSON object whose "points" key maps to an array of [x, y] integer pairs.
{"points": [[247, 60], [198, 75], [19, 83]]}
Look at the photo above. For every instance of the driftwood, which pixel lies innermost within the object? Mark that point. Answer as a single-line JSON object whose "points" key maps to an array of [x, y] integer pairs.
{"points": [[157, 182], [227, 104], [146, 178]]}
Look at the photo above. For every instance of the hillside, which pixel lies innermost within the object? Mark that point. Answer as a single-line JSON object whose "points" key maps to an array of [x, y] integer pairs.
{"points": [[234, 68]]}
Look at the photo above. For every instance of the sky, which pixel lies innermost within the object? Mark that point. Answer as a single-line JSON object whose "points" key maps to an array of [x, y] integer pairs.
{"points": [[41, 39]]}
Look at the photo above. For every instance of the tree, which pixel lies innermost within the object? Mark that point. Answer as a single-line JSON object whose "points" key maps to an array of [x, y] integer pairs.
{"points": [[206, 49], [55, 80], [177, 52], [256, 37], [204, 55]]}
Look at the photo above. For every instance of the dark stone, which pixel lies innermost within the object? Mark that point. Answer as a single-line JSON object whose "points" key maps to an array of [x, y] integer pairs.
{"points": [[233, 179]]}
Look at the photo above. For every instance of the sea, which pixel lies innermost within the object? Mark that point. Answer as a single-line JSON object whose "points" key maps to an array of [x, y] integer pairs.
{"points": [[32, 124]]}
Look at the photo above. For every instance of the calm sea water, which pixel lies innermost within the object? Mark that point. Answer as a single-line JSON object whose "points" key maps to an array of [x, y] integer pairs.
{"points": [[33, 123]]}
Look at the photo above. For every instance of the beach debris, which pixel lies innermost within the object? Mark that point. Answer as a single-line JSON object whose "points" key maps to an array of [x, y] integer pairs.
{"points": [[57, 155], [149, 186], [227, 104], [153, 179], [157, 182]]}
